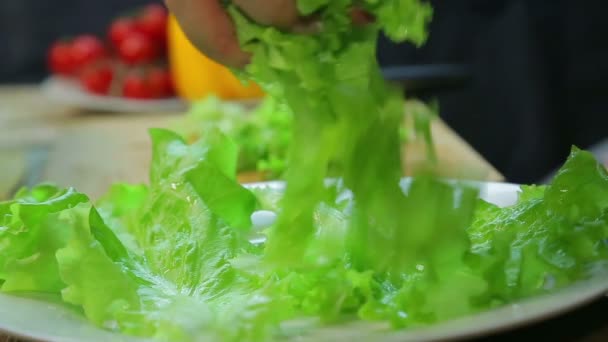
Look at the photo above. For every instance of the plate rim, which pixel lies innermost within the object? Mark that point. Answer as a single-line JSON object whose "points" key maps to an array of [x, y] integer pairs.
{"points": [[66, 91]]}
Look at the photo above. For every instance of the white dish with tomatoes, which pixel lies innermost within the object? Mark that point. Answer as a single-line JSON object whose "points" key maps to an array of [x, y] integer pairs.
{"points": [[127, 71]]}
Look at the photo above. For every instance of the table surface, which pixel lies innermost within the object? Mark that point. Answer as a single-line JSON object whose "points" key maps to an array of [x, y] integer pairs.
{"points": [[76, 146], [44, 140]]}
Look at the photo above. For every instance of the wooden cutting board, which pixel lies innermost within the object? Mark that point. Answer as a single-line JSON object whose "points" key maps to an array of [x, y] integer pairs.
{"points": [[455, 158], [92, 155], [12, 168]]}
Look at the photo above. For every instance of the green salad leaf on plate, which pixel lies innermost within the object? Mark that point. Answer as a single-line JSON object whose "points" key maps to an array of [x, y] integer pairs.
{"points": [[262, 134], [167, 260]]}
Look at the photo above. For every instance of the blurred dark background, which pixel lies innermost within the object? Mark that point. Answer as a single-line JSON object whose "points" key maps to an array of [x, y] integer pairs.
{"points": [[538, 68], [29, 27], [539, 77]]}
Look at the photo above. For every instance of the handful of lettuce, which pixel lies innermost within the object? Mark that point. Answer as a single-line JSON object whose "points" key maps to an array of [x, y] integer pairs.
{"points": [[346, 119]]}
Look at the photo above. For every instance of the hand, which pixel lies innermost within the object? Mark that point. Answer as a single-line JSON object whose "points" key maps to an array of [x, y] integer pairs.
{"points": [[210, 28]]}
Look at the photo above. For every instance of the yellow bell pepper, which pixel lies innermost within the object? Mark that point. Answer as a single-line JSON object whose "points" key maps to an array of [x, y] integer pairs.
{"points": [[197, 76]]}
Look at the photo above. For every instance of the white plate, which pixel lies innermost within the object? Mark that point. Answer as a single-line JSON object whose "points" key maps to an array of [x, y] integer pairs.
{"points": [[49, 322], [69, 92]]}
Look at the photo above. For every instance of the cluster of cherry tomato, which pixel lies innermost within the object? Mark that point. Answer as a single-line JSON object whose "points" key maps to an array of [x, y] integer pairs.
{"points": [[132, 62]]}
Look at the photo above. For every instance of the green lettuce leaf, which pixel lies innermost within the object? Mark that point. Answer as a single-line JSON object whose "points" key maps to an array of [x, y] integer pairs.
{"points": [[33, 227], [553, 236], [262, 134], [346, 118]]}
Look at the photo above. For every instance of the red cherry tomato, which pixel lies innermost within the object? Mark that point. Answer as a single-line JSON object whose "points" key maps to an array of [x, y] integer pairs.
{"points": [[59, 58], [137, 48], [120, 29], [136, 87], [153, 23], [97, 79], [161, 83], [87, 49]]}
